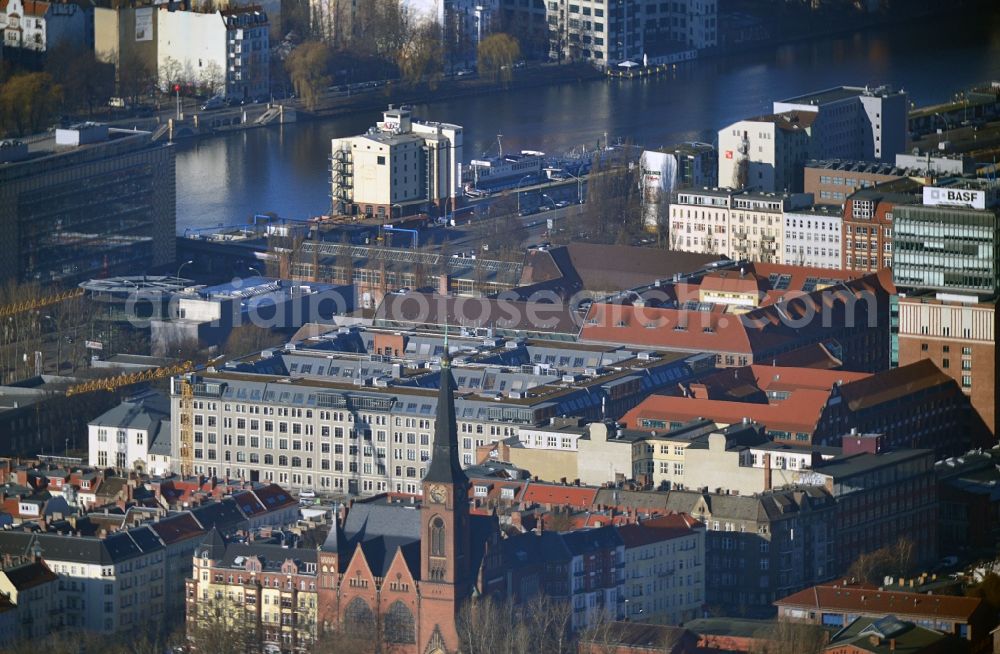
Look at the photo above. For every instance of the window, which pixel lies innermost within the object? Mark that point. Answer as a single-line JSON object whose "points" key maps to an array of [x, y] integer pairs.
{"points": [[437, 537]]}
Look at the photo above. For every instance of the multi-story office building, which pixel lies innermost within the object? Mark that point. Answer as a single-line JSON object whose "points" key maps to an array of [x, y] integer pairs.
{"points": [[86, 202], [353, 412], [226, 52], [856, 123], [951, 242], [664, 569], [832, 181], [740, 225], [947, 271], [399, 165], [766, 153], [812, 237]]}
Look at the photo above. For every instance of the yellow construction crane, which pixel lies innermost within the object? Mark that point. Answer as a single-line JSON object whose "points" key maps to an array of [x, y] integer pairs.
{"points": [[186, 427], [118, 381], [38, 303]]}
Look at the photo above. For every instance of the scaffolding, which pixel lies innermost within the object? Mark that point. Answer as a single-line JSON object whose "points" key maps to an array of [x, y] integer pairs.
{"points": [[186, 427]]}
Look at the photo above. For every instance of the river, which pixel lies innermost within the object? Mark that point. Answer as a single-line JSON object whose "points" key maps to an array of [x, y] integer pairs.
{"points": [[224, 180]]}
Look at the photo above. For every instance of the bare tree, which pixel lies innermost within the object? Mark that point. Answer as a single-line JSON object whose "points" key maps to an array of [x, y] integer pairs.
{"points": [[789, 637], [223, 626]]}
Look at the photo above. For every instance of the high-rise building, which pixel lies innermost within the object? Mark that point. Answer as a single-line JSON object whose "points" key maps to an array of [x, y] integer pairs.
{"points": [[947, 271], [86, 202]]}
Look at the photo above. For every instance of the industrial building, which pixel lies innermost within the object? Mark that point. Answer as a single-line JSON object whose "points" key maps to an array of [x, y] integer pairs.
{"points": [[399, 166], [88, 201]]}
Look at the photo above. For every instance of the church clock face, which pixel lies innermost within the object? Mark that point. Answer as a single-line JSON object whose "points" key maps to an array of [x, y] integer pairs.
{"points": [[438, 494]]}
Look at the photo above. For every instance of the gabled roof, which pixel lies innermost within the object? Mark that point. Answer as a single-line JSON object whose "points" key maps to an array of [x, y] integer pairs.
{"points": [[893, 384], [585, 541], [177, 528], [676, 329], [31, 7], [658, 530]]}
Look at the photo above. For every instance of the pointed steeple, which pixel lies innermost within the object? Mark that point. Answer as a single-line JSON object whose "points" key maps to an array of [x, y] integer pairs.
{"points": [[445, 464]]}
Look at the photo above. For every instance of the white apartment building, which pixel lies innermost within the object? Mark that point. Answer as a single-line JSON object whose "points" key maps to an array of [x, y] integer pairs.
{"points": [[812, 237], [608, 33], [854, 123], [133, 436], [397, 165], [766, 153], [664, 569], [226, 52], [739, 225], [699, 221]]}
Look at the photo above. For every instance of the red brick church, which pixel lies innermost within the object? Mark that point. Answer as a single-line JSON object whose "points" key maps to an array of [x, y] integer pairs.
{"points": [[412, 566]]}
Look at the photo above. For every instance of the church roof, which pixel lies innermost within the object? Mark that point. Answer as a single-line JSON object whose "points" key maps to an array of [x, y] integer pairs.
{"points": [[445, 466]]}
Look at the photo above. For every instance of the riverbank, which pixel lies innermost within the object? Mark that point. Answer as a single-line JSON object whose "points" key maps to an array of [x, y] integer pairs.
{"points": [[449, 89]]}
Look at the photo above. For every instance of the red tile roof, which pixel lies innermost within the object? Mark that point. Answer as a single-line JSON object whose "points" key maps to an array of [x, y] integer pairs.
{"points": [[697, 331], [31, 7], [659, 529], [799, 413], [869, 600], [556, 495]]}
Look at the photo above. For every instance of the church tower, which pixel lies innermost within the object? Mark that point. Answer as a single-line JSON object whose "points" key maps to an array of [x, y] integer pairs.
{"points": [[445, 575]]}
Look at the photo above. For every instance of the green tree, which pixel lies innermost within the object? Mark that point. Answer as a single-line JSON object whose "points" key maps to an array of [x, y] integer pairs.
{"points": [[497, 55], [308, 67], [28, 102]]}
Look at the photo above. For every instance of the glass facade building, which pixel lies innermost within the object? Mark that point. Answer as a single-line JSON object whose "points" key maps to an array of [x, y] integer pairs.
{"points": [[75, 213], [946, 249]]}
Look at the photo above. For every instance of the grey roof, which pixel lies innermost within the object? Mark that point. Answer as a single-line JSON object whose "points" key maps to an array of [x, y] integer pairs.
{"points": [[83, 549], [271, 556], [583, 541], [224, 514], [381, 529], [141, 413]]}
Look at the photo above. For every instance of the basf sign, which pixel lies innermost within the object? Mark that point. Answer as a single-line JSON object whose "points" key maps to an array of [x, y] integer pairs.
{"points": [[955, 197]]}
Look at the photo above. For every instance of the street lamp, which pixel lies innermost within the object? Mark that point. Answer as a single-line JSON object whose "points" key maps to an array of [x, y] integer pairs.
{"points": [[256, 270], [181, 267], [579, 186], [517, 190]]}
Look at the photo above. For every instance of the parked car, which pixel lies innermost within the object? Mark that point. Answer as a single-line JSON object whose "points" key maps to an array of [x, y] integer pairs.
{"points": [[213, 104]]}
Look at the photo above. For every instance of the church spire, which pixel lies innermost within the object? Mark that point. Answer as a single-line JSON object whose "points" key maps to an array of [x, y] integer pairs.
{"points": [[445, 465]]}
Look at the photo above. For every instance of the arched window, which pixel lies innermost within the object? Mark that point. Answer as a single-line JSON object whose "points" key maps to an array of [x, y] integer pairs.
{"points": [[268, 459], [399, 624], [296, 462], [282, 460], [358, 618], [437, 537]]}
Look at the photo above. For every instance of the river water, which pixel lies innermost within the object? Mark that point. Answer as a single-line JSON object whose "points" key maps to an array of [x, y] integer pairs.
{"points": [[224, 180]]}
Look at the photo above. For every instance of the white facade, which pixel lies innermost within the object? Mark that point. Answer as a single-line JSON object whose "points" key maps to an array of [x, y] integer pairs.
{"points": [[699, 221], [398, 164], [125, 437], [775, 148], [608, 33], [813, 238], [665, 578], [738, 225], [225, 52], [855, 123]]}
